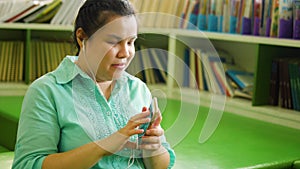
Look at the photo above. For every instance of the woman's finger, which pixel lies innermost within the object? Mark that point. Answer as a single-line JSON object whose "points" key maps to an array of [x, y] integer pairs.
{"points": [[155, 132]]}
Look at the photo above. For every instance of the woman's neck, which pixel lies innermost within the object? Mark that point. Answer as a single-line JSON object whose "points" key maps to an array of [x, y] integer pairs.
{"points": [[106, 88]]}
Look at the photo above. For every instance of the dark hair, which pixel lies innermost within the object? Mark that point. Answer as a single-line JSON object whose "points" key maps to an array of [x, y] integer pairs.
{"points": [[94, 14]]}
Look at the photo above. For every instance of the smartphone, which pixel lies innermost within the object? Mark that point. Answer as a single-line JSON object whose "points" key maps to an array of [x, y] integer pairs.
{"points": [[153, 115]]}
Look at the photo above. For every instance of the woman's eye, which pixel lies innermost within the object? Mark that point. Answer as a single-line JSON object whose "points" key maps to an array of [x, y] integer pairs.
{"points": [[130, 42], [112, 42]]}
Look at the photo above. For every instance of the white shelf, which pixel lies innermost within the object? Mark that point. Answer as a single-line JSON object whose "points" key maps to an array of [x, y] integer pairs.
{"points": [[224, 36], [13, 89], [35, 26], [172, 32]]}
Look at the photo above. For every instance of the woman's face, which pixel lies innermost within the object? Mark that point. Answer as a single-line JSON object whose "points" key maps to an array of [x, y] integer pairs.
{"points": [[110, 49]]}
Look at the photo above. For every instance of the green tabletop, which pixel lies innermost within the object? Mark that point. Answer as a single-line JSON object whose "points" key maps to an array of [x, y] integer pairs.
{"points": [[238, 142], [10, 106]]}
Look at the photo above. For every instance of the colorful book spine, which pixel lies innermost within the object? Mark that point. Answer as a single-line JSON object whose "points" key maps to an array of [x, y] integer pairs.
{"points": [[220, 14], [257, 16], [194, 16], [184, 14], [212, 17], [275, 17], [226, 15], [268, 17], [246, 18], [202, 15], [285, 19], [296, 19], [235, 4]]}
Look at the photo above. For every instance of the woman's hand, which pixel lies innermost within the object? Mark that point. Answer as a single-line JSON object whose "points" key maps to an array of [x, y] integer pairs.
{"points": [[119, 140], [151, 141]]}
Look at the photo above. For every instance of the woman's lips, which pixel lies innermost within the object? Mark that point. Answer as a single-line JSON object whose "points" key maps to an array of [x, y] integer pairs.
{"points": [[119, 65]]}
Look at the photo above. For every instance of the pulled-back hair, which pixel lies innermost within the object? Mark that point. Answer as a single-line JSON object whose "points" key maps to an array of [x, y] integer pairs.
{"points": [[94, 14]]}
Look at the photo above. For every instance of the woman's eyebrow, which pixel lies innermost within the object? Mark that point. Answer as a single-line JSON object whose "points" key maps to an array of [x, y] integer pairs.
{"points": [[120, 38]]}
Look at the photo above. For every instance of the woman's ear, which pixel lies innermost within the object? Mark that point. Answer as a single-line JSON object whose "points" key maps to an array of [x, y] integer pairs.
{"points": [[80, 36]]}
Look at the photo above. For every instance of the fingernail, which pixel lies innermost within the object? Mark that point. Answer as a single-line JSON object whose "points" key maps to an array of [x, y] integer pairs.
{"points": [[144, 108]]}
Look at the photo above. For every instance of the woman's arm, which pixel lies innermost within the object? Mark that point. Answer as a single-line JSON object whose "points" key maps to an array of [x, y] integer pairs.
{"points": [[89, 154]]}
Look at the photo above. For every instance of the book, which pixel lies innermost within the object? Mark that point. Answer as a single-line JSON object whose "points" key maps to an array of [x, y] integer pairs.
{"points": [[219, 14], [246, 28], [28, 12], [153, 16], [178, 10], [294, 74], [45, 9], [21, 61], [193, 17], [234, 10], [67, 12], [202, 15], [161, 59], [166, 14], [258, 9], [210, 78], [274, 83], [285, 25], [72, 12], [244, 80], [186, 68], [158, 64], [266, 18], [240, 17], [199, 70], [17, 9], [296, 19], [192, 70], [275, 17], [212, 17], [137, 5], [191, 7], [226, 15]]}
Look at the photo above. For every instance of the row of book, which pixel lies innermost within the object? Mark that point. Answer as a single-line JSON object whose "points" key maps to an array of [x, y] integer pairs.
{"points": [[216, 73], [11, 61], [195, 68], [46, 56], [285, 83], [61, 12], [270, 18], [150, 65]]}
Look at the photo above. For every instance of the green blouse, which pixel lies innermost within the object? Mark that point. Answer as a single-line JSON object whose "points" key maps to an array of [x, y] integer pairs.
{"points": [[64, 109]]}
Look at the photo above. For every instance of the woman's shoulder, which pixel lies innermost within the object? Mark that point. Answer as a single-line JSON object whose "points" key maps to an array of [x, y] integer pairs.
{"points": [[134, 83], [44, 81]]}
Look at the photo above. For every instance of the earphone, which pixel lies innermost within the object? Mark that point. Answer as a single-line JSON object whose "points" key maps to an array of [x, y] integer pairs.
{"points": [[83, 44]]}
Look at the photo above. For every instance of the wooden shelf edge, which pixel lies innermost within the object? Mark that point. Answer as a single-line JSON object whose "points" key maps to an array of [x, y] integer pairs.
{"points": [[224, 36], [36, 26], [13, 89], [170, 32]]}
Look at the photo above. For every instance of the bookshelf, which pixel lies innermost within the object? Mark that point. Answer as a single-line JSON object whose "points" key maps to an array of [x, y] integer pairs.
{"points": [[253, 53]]}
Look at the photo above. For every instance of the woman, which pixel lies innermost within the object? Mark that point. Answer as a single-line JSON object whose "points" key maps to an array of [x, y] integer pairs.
{"points": [[87, 113]]}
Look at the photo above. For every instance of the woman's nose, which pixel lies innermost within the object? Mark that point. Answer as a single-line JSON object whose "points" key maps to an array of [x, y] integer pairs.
{"points": [[124, 51]]}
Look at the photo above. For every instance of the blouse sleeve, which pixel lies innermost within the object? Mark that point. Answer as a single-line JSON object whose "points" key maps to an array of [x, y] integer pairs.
{"points": [[166, 145], [38, 130]]}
